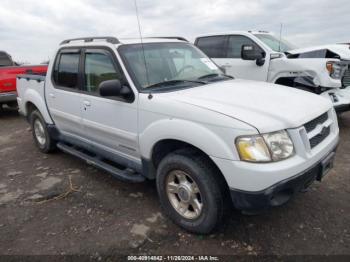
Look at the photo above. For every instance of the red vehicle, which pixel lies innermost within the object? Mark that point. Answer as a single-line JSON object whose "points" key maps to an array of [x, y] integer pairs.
{"points": [[8, 72]]}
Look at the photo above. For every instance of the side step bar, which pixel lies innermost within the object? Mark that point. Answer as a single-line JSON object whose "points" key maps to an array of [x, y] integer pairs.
{"points": [[126, 175]]}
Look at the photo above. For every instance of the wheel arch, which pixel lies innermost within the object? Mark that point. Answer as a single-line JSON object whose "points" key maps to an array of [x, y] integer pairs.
{"points": [[29, 108], [192, 133], [35, 101], [165, 147]]}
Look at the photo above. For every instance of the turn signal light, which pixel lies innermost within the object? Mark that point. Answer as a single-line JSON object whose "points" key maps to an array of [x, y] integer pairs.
{"points": [[329, 66]]}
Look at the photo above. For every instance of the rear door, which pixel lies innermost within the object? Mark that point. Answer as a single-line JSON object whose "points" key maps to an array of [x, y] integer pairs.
{"points": [[110, 122], [63, 94]]}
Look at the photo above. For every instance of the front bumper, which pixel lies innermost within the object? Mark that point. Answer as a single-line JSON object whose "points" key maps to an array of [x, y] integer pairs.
{"points": [[8, 97], [339, 97], [281, 192], [342, 108]]}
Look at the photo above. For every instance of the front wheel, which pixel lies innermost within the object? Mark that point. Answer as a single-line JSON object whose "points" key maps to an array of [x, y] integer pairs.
{"points": [[191, 192], [41, 135]]}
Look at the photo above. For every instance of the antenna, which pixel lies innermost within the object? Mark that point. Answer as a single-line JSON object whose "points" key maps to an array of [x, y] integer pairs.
{"points": [[143, 49], [279, 43]]}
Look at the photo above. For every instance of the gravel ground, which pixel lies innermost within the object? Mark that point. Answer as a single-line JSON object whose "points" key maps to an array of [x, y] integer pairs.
{"points": [[101, 215]]}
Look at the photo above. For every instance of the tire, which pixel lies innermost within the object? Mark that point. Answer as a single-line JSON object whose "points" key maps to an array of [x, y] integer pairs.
{"points": [[40, 133], [211, 186]]}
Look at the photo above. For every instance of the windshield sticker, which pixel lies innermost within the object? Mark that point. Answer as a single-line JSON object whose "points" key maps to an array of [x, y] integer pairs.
{"points": [[209, 63]]}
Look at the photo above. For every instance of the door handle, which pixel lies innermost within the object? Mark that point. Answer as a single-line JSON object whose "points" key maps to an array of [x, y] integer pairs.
{"points": [[226, 66], [52, 95], [87, 103]]}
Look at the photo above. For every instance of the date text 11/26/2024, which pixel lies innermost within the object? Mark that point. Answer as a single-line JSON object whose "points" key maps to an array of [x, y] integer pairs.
{"points": [[173, 258]]}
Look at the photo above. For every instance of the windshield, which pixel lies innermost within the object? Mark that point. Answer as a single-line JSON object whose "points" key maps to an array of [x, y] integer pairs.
{"points": [[274, 43], [165, 65]]}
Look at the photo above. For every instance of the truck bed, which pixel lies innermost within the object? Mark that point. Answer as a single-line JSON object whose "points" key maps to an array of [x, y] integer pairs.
{"points": [[31, 88]]}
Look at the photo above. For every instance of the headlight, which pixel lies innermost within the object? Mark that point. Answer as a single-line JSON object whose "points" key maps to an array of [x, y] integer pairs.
{"points": [[265, 148], [335, 70], [253, 149], [280, 144]]}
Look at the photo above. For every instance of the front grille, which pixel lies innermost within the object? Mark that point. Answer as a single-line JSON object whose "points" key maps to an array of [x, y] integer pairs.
{"points": [[346, 78], [309, 126], [320, 137], [324, 133]]}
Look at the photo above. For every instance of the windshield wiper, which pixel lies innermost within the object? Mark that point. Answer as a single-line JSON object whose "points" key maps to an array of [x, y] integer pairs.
{"points": [[174, 82], [212, 75]]}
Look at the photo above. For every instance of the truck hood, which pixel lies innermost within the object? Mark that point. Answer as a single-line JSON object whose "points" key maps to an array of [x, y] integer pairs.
{"points": [[267, 107], [341, 50]]}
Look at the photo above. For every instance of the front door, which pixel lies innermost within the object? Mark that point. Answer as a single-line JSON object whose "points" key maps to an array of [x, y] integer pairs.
{"points": [[110, 122], [234, 65]]}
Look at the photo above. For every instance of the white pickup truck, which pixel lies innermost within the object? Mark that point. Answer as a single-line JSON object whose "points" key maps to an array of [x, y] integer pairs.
{"points": [[261, 56], [160, 109]]}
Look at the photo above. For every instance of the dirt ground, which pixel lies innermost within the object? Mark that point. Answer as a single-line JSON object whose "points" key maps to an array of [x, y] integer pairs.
{"points": [[101, 215]]}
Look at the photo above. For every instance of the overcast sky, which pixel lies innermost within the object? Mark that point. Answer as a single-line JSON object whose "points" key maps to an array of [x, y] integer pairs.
{"points": [[30, 30]]}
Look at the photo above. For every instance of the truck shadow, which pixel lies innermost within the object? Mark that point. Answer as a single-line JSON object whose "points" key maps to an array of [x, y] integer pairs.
{"points": [[7, 113], [344, 120]]}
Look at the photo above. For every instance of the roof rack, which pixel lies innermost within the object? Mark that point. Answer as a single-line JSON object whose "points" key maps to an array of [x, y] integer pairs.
{"points": [[259, 31], [170, 37], [109, 39]]}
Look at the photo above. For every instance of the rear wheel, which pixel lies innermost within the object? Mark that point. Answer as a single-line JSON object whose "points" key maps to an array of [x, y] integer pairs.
{"points": [[41, 135], [191, 192]]}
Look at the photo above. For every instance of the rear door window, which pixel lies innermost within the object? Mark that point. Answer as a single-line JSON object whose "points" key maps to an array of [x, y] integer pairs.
{"points": [[66, 71], [213, 46]]}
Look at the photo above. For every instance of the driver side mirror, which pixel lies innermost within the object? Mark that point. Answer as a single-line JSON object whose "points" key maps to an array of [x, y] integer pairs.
{"points": [[114, 87], [249, 52]]}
